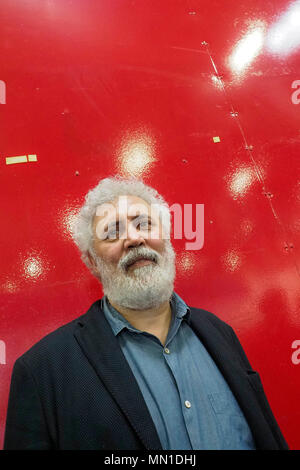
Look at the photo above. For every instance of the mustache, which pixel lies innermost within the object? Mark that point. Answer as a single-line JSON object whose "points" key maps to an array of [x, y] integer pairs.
{"points": [[136, 254]]}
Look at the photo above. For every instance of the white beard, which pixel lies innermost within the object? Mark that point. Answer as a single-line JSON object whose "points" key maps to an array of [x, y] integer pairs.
{"points": [[141, 288]]}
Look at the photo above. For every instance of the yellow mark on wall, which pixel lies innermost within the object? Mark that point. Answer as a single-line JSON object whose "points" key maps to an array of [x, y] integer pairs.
{"points": [[2, 352], [216, 139], [2, 92], [12, 160], [21, 159]]}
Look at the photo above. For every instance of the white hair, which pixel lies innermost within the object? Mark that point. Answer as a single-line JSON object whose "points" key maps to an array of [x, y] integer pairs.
{"points": [[107, 190]]}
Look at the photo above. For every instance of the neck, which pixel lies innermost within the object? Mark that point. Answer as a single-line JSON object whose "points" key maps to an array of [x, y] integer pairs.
{"points": [[154, 320]]}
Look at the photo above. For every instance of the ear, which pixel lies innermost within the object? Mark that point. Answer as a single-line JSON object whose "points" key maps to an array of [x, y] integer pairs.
{"points": [[91, 260]]}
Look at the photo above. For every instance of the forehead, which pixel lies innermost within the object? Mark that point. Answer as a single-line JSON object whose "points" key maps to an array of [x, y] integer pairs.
{"points": [[125, 206]]}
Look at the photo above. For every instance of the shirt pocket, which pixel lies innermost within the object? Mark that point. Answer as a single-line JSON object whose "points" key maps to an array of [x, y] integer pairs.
{"points": [[234, 430], [223, 403]]}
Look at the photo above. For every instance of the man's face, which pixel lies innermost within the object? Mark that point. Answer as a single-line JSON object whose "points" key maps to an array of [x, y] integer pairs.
{"points": [[135, 263]]}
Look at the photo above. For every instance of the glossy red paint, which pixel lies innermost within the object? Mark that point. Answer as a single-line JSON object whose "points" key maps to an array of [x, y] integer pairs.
{"points": [[94, 88]]}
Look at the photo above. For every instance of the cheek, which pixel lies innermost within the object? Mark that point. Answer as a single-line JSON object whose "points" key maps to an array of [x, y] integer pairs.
{"points": [[156, 240], [111, 254]]}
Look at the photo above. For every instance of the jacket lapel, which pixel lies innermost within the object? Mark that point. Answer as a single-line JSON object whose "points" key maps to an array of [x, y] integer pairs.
{"points": [[230, 366], [102, 349]]}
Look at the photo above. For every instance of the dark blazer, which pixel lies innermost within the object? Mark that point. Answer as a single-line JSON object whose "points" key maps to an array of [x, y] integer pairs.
{"points": [[75, 390]]}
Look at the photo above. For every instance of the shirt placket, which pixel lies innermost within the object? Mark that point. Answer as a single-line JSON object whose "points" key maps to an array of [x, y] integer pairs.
{"points": [[170, 353]]}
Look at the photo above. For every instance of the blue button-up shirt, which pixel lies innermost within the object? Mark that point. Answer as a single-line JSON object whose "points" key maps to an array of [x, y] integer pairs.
{"points": [[190, 402]]}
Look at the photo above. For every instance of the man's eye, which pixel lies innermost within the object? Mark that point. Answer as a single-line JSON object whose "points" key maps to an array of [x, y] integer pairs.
{"points": [[144, 224], [113, 234]]}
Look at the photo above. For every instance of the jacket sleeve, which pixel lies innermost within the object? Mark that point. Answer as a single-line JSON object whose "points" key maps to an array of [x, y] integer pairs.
{"points": [[25, 422]]}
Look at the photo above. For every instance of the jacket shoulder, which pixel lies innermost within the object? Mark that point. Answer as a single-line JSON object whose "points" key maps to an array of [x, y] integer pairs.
{"points": [[56, 343], [199, 314]]}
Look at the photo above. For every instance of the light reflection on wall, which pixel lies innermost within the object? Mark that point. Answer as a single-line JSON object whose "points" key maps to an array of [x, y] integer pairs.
{"points": [[247, 227], [248, 48], [240, 182], [34, 268], [9, 286], [186, 262], [136, 154], [284, 36], [231, 260], [217, 82], [67, 218]]}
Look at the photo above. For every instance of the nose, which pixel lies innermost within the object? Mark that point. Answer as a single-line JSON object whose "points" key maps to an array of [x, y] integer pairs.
{"points": [[134, 237]]}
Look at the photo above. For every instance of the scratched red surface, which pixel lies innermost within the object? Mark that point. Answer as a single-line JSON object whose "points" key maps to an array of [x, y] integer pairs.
{"points": [[95, 88]]}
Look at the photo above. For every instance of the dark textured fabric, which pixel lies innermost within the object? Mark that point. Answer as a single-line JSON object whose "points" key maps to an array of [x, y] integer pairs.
{"points": [[75, 390]]}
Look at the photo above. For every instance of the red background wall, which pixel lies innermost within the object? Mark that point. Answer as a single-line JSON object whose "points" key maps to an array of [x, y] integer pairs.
{"points": [[95, 88]]}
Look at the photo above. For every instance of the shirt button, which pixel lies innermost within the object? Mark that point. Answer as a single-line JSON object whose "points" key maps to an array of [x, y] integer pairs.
{"points": [[187, 404], [167, 351]]}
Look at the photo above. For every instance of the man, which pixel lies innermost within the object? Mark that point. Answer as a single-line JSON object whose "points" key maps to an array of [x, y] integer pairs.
{"points": [[141, 369]]}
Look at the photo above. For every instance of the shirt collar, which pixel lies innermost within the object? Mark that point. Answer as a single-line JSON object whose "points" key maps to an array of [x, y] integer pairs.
{"points": [[118, 322], [180, 308]]}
